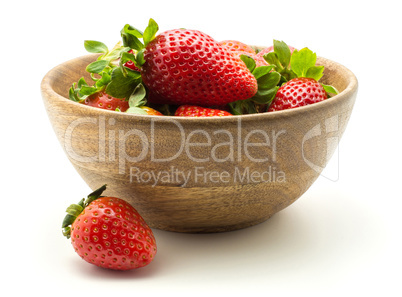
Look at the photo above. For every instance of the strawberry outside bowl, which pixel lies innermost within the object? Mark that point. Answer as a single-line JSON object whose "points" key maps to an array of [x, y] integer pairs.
{"points": [[200, 174]]}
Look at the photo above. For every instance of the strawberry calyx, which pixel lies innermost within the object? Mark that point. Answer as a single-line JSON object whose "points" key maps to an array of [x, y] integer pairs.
{"points": [[297, 63], [137, 100], [280, 58], [131, 38], [267, 81], [74, 210], [116, 71], [100, 70], [285, 64]]}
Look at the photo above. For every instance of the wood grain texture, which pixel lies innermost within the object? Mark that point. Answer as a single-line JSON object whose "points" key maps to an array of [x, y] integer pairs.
{"points": [[219, 174]]}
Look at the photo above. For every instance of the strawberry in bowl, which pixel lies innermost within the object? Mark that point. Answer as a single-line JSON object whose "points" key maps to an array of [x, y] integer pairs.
{"points": [[188, 67]]}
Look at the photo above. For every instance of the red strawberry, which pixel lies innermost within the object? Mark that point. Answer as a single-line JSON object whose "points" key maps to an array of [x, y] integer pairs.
{"points": [[259, 60], [130, 64], [240, 48], [108, 232], [189, 67], [105, 101], [144, 110], [298, 92], [237, 46], [197, 111], [271, 49]]}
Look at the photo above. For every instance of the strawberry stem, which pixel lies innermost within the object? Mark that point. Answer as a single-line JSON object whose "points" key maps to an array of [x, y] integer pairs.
{"points": [[94, 195]]}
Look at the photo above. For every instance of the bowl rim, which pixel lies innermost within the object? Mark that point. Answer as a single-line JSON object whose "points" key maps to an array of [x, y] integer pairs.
{"points": [[48, 91]]}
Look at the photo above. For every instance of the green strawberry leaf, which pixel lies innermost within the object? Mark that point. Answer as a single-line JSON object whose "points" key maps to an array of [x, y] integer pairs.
{"points": [[125, 57], [269, 80], [282, 52], [72, 94], [261, 71], [116, 52], [136, 110], [121, 86], [150, 31], [242, 107], [272, 59], [235, 108], [103, 81], [315, 72], [97, 47], [139, 58], [330, 89], [250, 63], [94, 195], [262, 99], [133, 31], [130, 37], [265, 96], [74, 210], [81, 83], [287, 74], [87, 90], [302, 60], [97, 66], [137, 98]]}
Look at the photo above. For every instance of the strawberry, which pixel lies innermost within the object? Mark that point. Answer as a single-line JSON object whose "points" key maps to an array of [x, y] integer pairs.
{"points": [[237, 46], [108, 232], [130, 64], [151, 111], [298, 92], [290, 80], [105, 101], [189, 67], [240, 48], [197, 111], [259, 60]]}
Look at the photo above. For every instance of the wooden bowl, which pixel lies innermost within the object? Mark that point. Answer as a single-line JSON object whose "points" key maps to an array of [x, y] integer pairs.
{"points": [[200, 174]]}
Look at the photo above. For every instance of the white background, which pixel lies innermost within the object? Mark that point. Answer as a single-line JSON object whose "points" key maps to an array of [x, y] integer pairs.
{"points": [[342, 237]]}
